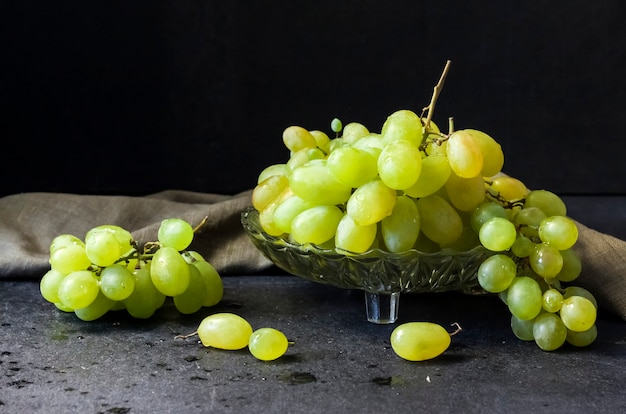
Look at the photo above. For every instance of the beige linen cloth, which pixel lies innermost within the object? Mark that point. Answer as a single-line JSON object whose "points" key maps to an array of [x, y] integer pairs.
{"points": [[29, 222]]}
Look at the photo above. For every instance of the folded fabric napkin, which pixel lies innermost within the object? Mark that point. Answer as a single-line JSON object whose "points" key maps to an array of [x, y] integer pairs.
{"points": [[29, 222]]}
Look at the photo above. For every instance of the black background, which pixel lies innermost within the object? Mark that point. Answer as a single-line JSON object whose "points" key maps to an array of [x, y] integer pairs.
{"points": [[134, 97]]}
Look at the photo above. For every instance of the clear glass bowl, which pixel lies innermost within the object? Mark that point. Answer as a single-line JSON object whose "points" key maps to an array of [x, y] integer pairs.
{"points": [[380, 274]]}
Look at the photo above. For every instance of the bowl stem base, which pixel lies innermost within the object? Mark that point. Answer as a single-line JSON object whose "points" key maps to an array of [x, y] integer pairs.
{"points": [[382, 308]]}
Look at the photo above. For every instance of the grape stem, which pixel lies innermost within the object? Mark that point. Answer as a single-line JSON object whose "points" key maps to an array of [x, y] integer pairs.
{"points": [[437, 90], [458, 329], [202, 223], [189, 335]]}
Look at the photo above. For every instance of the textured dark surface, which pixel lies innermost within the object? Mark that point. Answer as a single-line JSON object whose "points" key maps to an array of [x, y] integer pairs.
{"points": [[53, 363]]}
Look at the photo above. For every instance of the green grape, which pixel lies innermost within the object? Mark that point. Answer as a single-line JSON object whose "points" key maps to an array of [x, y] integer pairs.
{"points": [[493, 156], [145, 299], [321, 140], [268, 344], [578, 313], [225, 331], [287, 210], [316, 225], [271, 170], [352, 166], [371, 202], [176, 233], [212, 283], [524, 297], [584, 338], [419, 341], [496, 273], [558, 231], [116, 282], [399, 164], [102, 248], [465, 194], [64, 240], [402, 227], [522, 328], [372, 143], [190, 301], [96, 309], [522, 246], [552, 300], [335, 143], [78, 289], [353, 132], [546, 260], [572, 266], [169, 271], [440, 222], [528, 219], [49, 285], [497, 234], [548, 202], [69, 259], [402, 125], [484, 211], [63, 308], [354, 238], [336, 125], [435, 173], [315, 183], [123, 236], [580, 291], [464, 154], [266, 216], [549, 331], [296, 138], [509, 188], [192, 256], [268, 190]]}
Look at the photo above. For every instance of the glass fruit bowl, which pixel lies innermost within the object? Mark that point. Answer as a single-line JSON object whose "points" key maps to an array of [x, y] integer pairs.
{"points": [[380, 274]]}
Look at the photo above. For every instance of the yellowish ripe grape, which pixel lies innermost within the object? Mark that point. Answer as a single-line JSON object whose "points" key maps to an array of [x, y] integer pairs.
{"points": [[464, 154], [419, 341]]}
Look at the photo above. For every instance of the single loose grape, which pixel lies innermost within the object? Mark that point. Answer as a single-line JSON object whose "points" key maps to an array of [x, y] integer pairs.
{"points": [[419, 341], [225, 331], [268, 344], [176, 233]]}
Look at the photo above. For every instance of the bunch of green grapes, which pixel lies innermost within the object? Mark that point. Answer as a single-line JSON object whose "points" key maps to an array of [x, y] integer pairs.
{"points": [[411, 186], [106, 271], [534, 260]]}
